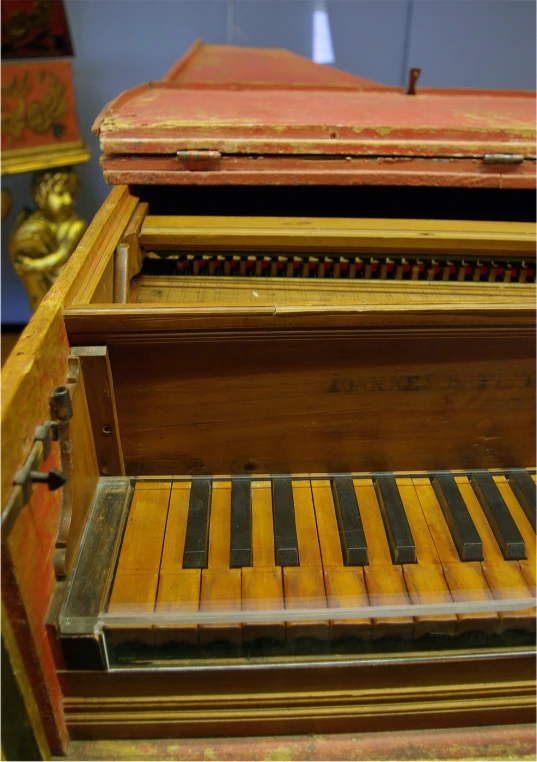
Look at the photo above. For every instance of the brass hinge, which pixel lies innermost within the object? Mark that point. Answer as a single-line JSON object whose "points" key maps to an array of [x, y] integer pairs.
{"points": [[199, 161]]}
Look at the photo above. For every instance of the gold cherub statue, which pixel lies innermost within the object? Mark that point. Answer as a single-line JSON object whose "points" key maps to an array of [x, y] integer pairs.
{"points": [[42, 240]]}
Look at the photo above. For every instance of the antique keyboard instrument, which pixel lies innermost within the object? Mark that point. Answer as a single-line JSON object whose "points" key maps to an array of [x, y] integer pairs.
{"points": [[289, 376]]}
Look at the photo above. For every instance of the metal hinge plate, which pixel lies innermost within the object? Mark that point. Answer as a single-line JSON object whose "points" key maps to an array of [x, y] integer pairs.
{"points": [[199, 161], [503, 158]]}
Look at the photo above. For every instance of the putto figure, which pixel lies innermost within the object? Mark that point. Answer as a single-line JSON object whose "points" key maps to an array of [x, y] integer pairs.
{"points": [[42, 240]]}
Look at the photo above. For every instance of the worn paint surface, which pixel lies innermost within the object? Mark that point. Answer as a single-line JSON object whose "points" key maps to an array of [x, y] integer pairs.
{"points": [[269, 170], [506, 743], [271, 105], [228, 64], [294, 117]]}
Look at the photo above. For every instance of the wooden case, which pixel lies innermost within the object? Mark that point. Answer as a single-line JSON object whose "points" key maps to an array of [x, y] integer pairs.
{"points": [[181, 387]]}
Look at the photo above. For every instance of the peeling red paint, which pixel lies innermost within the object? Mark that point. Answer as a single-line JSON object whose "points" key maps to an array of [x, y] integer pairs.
{"points": [[309, 124], [487, 743]]}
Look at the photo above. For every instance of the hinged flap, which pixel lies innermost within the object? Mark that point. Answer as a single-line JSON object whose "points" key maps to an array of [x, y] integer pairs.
{"points": [[288, 106]]}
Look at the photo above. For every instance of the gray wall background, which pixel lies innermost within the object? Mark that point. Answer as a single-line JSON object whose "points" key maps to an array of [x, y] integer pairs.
{"points": [[121, 43]]}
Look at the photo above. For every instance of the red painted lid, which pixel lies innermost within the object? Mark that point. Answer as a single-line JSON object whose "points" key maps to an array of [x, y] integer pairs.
{"points": [[244, 115]]}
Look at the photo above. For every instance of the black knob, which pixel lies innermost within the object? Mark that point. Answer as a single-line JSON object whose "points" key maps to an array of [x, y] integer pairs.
{"points": [[54, 478]]}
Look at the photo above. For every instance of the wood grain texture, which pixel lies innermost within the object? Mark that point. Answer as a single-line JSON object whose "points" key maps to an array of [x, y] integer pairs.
{"points": [[220, 585], [85, 470], [345, 586], [137, 574], [245, 405], [36, 365], [384, 581], [95, 365], [464, 580], [178, 588], [103, 292], [303, 585], [262, 586], [504, 578], [128, 256], [97, 251], [425, 579], [265, 291], [296, 697], [321, 234]]}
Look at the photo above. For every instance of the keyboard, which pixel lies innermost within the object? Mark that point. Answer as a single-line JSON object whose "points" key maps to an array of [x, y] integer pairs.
{"points": [[239, 544]]}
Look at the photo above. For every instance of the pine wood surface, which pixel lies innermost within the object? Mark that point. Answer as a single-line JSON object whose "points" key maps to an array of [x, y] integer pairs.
{"points": [[465, 580], [95, 364], [342, 584], [178, 588], [85, 473], [235, 401], [504, 578], [262, 585], [302, 292], [333, 234]]}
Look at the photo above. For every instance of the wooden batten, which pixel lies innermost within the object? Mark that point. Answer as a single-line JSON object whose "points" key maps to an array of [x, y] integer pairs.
{"points": [[333, 234], [128, 258], [97, 253], [95, 365]]}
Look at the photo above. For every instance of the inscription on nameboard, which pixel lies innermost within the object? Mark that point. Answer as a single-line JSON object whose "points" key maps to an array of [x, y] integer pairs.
{"points": [[429, 382]]}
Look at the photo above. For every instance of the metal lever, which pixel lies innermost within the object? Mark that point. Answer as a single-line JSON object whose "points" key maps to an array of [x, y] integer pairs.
{"points": [[54, 478], [53, 430], [413, 77]]}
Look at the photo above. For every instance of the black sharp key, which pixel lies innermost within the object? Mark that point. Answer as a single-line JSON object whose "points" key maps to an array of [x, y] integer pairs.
{"points": [[283, 512], [351, 530], [241, 524], [501, 522], [197, 525], [464, 534], [524, 488], [400, 540]]}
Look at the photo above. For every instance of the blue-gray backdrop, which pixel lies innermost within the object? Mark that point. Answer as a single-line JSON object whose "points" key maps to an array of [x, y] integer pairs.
{"points": [[121, 43]]}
